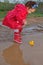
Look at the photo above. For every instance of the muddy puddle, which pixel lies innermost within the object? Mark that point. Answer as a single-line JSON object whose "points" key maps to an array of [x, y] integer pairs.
{"points": [[13, 55], [23, 54]]}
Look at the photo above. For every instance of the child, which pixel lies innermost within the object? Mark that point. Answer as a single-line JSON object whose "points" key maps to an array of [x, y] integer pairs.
{"points": [[15, 19]]}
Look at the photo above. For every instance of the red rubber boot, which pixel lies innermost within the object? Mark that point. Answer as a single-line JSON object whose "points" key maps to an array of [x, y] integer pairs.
{"points": [[17, 37]]}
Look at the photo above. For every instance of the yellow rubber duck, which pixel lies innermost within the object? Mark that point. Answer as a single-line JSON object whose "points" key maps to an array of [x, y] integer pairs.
{"points": [[31, 43]]}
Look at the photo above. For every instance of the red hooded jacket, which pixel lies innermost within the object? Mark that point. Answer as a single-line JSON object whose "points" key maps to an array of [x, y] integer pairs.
{"points": [[19, 13]]}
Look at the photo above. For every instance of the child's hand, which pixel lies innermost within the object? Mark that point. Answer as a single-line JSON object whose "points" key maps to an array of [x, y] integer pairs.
{"points": [[25, 22]]}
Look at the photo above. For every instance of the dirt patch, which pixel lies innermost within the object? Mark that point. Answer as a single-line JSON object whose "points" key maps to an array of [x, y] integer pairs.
{"points": [[35, 20]]}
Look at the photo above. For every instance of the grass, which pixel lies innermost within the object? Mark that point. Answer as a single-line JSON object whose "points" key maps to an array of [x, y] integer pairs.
{"points": [[2, 14], [38, 13], [6, 6]]}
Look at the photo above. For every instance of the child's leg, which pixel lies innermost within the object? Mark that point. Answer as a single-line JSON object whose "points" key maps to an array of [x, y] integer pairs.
{"points": [[17, 35], [20, 30]]}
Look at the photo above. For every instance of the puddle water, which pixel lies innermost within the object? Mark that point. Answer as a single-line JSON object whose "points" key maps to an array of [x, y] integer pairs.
{"points": [[33, 55], [13, 55], [24, 54], [6, 34]]}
